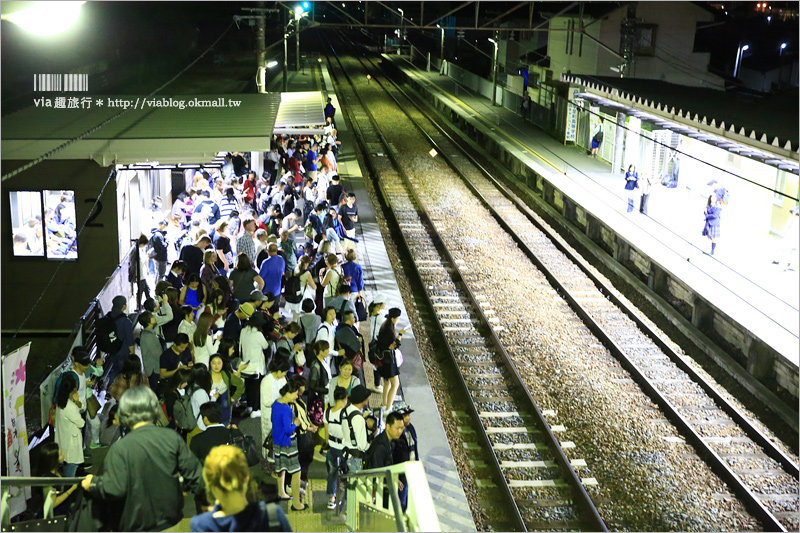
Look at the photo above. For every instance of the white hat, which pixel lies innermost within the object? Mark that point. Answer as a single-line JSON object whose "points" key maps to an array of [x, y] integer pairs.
{"points": [[380, 299]]}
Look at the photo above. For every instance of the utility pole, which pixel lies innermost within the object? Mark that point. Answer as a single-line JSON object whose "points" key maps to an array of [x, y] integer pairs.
{"points": [[261, 54]]}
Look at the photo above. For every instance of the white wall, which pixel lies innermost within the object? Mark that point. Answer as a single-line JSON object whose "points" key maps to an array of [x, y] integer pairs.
{"points": [[674, 61]]}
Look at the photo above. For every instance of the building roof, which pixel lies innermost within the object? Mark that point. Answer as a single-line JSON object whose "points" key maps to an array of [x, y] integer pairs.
{"points": [[151, 133], [774, 115], [729, 137]]}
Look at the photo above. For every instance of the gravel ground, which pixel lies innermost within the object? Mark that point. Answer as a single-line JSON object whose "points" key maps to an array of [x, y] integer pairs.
{"points": [[614, 429]]}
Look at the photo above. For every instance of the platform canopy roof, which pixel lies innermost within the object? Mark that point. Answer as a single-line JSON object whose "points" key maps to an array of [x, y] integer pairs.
{"points": [[300, 113], [157, 129], [777, 153]]}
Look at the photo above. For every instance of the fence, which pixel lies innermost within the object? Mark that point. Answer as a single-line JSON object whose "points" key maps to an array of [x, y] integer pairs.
{"points": [[121, 282]]}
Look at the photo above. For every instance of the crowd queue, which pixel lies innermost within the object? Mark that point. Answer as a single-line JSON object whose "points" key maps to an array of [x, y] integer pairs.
{"points": [[250, 304]]}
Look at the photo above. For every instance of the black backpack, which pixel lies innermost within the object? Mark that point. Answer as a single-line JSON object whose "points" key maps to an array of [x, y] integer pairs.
{"points": [[106, 334], [292, 292]]}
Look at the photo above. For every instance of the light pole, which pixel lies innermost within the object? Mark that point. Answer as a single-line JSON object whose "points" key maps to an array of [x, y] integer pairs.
{"points": [[285, 59], [402, 28], [494, 69], [441, 50], [780, 68], [739, 55]]}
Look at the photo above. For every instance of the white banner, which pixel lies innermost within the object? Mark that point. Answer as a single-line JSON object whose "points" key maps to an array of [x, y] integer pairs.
{"points": [[16, 432]]}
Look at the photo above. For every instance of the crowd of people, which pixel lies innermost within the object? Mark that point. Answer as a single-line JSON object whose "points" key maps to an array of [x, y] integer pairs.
{"points": [[257, 310]]}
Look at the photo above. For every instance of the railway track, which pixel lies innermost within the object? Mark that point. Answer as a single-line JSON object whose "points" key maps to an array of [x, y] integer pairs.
{"points": [[762, 476], [524, 449]]}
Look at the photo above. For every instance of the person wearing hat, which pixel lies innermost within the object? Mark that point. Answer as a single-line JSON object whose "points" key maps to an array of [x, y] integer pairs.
{"points": [[354, 428], [236, 320], [388, 341], [405, 447]]}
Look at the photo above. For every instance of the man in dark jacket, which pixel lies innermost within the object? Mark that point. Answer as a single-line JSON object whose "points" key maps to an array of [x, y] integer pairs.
{"points": [[348, 336], [207, 202], [158, 241], [142, 469], [124, 331], [215, 434], [379, 453]]}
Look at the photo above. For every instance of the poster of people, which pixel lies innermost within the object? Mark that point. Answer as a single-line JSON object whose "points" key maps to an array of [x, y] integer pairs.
{"points": [[16, 437]]}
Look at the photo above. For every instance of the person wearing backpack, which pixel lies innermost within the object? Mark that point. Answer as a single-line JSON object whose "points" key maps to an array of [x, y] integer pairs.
{"points": [[115, 337], [327, 333], [331, 279], [380, 451], [354, 429], [172, 390], [335, 439], [341, 302], [299, 286]]}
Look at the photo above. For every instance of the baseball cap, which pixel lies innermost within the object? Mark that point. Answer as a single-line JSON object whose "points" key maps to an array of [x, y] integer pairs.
{"points": [[359, 394]]}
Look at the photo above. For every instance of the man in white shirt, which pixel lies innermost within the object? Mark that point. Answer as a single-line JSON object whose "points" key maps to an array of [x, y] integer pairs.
{"points": [[354, 428]]}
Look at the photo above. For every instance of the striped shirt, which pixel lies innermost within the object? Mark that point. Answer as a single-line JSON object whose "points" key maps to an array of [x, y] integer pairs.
{"points": [[226, 207]]}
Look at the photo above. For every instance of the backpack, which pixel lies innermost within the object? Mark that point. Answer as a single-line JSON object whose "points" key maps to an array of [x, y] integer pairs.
{"points": [[273, 522], [350, 416], [292, 292], [183, 414], [340, 312], [105, 330]]}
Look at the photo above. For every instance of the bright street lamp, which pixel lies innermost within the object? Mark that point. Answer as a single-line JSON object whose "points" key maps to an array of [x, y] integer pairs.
{"points": [[441, 50], [739, 55], [272, 64], [494, 70], [783, 47], [44, 18]]}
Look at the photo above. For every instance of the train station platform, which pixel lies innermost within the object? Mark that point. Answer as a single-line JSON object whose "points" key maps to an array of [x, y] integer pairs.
{"points": [[451, 504], [738, 298]]}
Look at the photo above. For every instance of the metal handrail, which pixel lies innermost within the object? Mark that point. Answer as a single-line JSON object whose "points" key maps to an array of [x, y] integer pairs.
{"points": [[387, 475], [21, 481]]}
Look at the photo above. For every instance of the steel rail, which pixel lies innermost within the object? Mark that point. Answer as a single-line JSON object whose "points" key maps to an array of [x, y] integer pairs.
{"points": [[731, 410], [572, 478], [718, 465], [494, 464]]}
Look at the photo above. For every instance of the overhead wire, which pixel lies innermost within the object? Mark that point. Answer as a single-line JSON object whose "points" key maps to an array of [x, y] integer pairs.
{"points": [[111, 175]]}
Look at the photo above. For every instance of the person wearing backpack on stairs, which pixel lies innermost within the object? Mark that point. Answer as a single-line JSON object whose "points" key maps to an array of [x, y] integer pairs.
{"points": [[121, 339]]}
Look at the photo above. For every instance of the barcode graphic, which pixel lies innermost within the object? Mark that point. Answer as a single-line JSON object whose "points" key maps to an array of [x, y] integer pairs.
{"points": [[60, 82]]}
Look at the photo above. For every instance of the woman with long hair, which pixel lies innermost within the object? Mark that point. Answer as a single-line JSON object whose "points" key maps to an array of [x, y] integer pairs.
{"points": [[209, 271], [48, 464], [222, 283], [229, 385], [222, 244], [130, 376], [173, 389], [307, 288], [331, 278], [305, 430], [712, 214], [69, 424], [243, 278], [388, 343], [284, 424], [205, 345], [200, 389]]}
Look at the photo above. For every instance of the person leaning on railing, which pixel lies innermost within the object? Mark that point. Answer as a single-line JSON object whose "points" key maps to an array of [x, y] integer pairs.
{"points": [[142, 469]]}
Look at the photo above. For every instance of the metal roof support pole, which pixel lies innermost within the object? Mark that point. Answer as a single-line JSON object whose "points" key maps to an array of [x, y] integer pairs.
{"points": [[619, 142]]}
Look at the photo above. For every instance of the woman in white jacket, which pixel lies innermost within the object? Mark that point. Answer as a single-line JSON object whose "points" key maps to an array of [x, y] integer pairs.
{"points": [[251, 349], [69, 424], [204, 344]]}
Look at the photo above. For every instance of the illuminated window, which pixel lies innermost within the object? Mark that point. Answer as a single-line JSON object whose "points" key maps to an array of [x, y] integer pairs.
{"points": [[60, 225], [26, 223]]}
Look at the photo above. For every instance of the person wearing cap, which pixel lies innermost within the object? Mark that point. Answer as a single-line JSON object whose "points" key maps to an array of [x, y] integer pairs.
{"points": [[388, 342], [252, 344], [405, 447], [354, 428]]}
